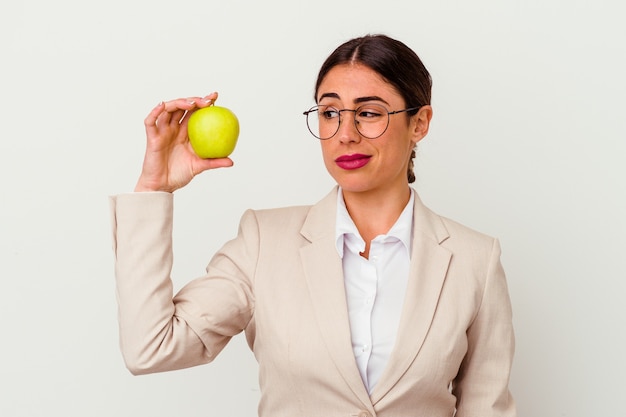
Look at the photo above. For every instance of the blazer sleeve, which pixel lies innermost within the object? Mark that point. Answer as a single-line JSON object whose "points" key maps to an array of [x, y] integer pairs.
{"points": [[481, 385], [159, 332]]}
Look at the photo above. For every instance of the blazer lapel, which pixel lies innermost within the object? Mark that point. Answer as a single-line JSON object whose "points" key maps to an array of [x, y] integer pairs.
{"points": [[324, 277], [429, 265]]}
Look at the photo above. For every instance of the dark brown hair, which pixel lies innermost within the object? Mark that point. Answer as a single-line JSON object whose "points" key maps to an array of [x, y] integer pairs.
{"points": [[398, 64]]}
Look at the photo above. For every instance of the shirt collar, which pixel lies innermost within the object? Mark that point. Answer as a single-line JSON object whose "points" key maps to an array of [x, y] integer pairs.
{"points": [[347, 234]]}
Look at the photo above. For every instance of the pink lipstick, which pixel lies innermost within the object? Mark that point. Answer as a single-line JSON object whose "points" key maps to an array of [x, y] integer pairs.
{"points": [[353, 161]]}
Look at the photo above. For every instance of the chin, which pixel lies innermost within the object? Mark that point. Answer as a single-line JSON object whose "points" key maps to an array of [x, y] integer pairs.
{"points": [[353, 185], [356, 181], [360, 183]]}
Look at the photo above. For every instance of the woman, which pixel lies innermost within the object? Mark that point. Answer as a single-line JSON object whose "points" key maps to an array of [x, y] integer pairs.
{"points": [[364, 304]]}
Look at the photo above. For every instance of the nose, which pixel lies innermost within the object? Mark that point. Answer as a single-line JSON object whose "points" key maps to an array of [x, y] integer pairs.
{"points": [[347, 127]]}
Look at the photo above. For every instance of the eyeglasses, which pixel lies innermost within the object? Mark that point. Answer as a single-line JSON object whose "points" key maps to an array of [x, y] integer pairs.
{"points": [[370, 120]]}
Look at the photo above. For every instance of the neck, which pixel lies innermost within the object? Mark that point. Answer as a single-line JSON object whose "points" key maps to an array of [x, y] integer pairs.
{"points": [[374, 213]]}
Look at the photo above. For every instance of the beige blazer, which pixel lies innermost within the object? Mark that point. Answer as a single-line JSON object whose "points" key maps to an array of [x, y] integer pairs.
{"points": [[280, 281]]}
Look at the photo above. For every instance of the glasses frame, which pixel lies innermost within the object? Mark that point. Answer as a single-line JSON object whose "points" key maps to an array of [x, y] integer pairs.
{"points": [[356, 123]]}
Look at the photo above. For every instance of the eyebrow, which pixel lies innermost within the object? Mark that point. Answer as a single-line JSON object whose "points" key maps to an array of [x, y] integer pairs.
{"points": [[356, 100]]}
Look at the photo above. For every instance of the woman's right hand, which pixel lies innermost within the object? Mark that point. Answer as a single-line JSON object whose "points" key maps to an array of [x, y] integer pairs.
{"points": [[170, 162]]}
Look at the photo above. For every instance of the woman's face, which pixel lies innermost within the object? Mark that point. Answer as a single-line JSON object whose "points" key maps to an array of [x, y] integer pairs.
{"points": [[359, 164]]}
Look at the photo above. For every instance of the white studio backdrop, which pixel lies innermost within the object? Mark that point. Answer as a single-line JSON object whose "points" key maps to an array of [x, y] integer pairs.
{"points": [[527, 144]]}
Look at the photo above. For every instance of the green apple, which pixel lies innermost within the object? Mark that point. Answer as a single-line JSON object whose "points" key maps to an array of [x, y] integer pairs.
{"points": [[213, 132]]}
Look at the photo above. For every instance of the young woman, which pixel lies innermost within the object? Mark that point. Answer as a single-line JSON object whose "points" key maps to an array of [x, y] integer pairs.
{"points": [[364, 304]]}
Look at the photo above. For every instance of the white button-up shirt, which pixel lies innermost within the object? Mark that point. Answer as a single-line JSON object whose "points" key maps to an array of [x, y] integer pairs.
{"points": [[375, 287]]}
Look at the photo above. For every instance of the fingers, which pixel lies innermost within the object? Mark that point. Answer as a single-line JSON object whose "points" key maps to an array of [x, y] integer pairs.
{"points": [[190, 103], [208, 100], [177, 116], [151, 120], [174, 110]]}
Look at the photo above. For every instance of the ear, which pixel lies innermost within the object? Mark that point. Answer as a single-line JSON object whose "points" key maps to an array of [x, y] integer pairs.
{"points": [[420, 123]]}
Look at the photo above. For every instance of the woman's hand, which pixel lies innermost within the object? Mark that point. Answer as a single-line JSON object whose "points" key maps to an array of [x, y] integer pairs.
{"points": [[170, 162]]}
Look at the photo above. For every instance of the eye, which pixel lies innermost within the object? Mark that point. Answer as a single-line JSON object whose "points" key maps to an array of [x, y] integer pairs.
{"points": [[370, 113], [328, 112]]}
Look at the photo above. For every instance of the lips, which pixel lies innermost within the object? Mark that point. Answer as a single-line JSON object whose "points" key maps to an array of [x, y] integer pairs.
{"points": [[353, 161]]}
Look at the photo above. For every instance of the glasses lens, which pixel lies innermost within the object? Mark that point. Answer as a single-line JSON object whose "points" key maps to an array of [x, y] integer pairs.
{"points": [[371, 120], [323, 121]]}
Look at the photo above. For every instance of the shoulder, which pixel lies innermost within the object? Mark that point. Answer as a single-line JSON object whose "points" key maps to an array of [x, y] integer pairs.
{"points": [[470, 246], [280, 216], [319, 216], [451, 234], [463, 232], [274, 223]]}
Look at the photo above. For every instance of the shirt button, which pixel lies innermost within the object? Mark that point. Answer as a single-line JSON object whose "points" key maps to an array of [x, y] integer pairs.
{"points": [[364, 414]]}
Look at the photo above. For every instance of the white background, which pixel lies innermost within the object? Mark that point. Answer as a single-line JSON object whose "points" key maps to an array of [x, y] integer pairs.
{"points": [[527, 144]]}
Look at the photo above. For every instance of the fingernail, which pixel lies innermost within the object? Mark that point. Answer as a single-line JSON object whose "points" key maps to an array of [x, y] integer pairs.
{"points": [[191, 101]]}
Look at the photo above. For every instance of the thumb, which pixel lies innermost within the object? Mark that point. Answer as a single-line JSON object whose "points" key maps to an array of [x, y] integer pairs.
{"points": [[207, 164]]}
